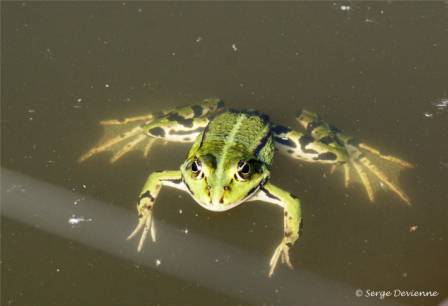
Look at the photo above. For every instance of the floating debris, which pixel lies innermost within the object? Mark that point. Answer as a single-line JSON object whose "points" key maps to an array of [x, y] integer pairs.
{"points": [[234, 47], [74, 220], [199, 39], [158, 262], [413, 228], [441, 104], [345, 8], [428, 115]]}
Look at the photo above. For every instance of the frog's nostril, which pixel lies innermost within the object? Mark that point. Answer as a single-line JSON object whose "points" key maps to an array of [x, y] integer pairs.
{"points": [[226, 188]]}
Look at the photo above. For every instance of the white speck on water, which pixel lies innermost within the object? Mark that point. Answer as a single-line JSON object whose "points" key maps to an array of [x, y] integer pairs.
{"points": [[173, 53], [186, 231], [404, 274], [234, 47], [74, 220], [106, 85], [199, 39], [345, 8], [84, 186], [413, 228], [180, 211], [442, 104], [79, 100], [58, 270], [31, 111], [158, 262], [428, 115], [140, 10], [77, 201]]}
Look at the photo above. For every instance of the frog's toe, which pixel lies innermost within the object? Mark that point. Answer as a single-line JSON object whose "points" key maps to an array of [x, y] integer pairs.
{"points": [[390, 158], [282, 251], [384, 179]]}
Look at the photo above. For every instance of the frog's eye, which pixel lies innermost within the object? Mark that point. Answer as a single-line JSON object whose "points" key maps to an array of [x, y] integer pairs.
{"points": [[196, 168], [243, 171]]}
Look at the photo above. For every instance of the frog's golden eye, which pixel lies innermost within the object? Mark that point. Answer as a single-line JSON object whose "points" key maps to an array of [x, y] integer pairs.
{"points": [[244, 171], [196, 168]]}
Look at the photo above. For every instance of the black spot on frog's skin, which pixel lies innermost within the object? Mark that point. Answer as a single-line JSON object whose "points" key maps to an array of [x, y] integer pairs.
{"points": [[268, 194], [293, 196], [327, 156], [147, 194], [327, 139], [157, 132], [312, 125], [197, 110], [334, 129], [305, 140], [301, 227], [286, 142], [280, 129], [181, 120]]}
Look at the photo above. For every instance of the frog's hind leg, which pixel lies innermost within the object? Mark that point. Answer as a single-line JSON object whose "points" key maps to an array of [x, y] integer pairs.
{"points": [[182, 124]]}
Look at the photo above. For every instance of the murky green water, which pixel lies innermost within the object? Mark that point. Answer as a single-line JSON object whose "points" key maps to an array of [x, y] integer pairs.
{"points": [[374, 70]]}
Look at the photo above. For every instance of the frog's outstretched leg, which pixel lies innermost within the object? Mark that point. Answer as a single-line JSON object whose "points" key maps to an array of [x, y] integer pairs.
{"points": [[334, 138], [182, 124], [148, 196], [292, 222]]}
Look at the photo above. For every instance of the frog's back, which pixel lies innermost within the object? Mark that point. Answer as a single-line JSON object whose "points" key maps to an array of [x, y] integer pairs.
{"points": [[246, 134]]}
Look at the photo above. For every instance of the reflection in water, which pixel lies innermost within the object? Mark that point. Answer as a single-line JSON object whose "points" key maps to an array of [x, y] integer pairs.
{"points": [[46, 207]]}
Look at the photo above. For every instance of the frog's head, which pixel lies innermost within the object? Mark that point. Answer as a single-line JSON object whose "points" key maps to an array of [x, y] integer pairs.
{"points": [[220, 185]]}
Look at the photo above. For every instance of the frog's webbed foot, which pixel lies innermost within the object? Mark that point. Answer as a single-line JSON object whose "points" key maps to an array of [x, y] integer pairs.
{"points": [[281, 252], [145, 222], [360, 162]]}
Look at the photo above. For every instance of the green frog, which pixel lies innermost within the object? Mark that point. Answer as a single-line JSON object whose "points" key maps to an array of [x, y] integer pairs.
{"points": [[229, 162]]}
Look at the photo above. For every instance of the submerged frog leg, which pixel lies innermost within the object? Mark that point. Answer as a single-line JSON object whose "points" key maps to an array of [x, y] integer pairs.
{"points": [[181, 124], [329, 135], [148, 196], [292, 221]]}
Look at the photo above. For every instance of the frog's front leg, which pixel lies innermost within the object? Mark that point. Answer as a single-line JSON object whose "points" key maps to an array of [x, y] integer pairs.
{"points": [[292, 221], [147, 198]]}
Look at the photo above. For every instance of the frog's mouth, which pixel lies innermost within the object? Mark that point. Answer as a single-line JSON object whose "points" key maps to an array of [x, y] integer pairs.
{"points": [[218, 206]]}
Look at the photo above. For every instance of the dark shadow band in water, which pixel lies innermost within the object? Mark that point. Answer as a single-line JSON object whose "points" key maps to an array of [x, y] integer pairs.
{"points": [[239, 274]]}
